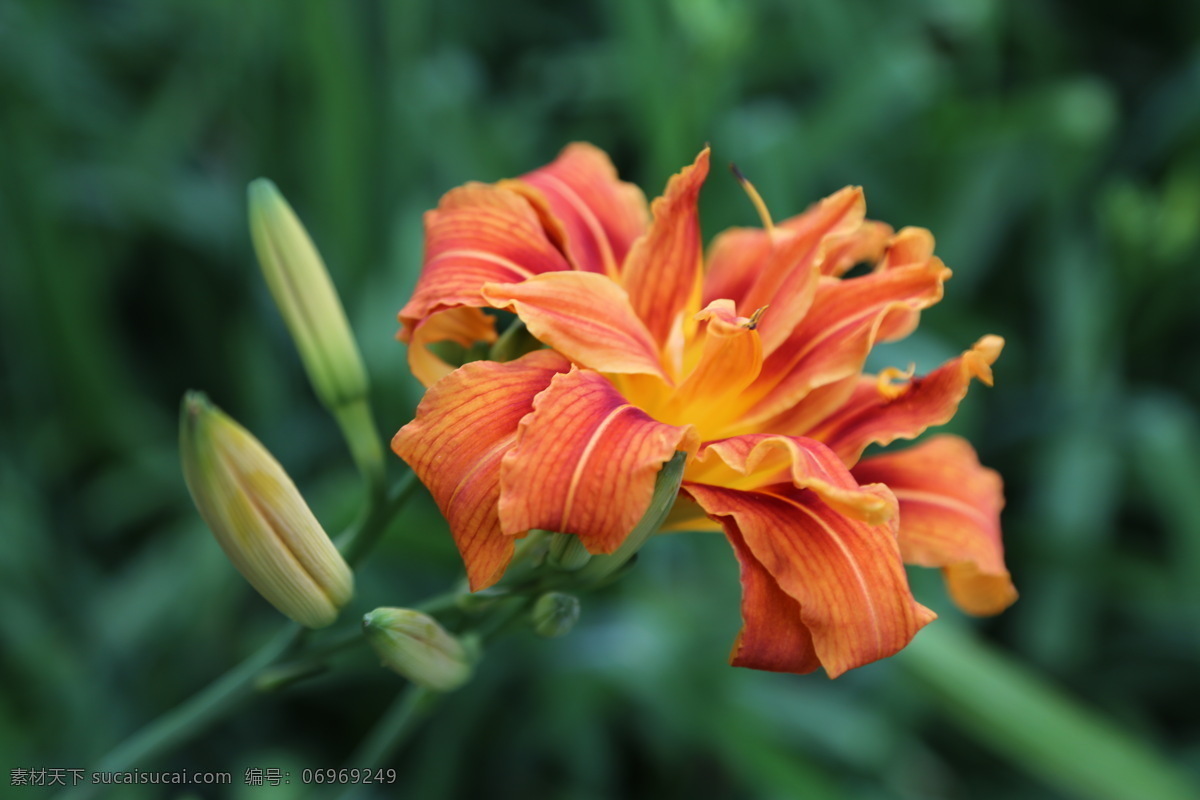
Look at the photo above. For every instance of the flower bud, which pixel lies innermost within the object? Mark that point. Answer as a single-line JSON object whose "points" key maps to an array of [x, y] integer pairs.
{"points": [[306, 297], [417, 647], [555, 614], [259, 518]]}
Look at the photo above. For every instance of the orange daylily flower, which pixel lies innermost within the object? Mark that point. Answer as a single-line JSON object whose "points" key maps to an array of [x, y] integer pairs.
{"points": [[752, 366]]}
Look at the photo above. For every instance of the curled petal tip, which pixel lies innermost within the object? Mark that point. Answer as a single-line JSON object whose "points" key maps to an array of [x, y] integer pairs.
{"points": [[982, 355]]}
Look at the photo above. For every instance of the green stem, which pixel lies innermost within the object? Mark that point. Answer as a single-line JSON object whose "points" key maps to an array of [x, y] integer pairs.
{"points": [[390, 732], [358, 427], [513, 343], [225, 694], [440, 602], [359, 541], [1034, 723], [187, 720], [503, 616], [526, 548], [280, 676]]}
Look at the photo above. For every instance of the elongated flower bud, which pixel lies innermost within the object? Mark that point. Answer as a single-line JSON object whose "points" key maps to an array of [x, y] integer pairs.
{"points": [[301, 286], [313, 312], [259, 518], [417, 647]]}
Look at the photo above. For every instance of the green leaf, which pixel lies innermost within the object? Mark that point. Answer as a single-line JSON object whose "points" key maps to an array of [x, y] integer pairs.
{"points": [[1026, 718]]}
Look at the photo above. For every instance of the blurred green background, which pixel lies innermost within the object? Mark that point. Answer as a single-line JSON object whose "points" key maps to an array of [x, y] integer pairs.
{"points": [[1053, 148]]}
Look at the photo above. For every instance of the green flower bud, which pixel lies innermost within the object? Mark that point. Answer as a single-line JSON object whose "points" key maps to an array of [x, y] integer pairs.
{"points": [[306, 297], [259, 518], [417, 647], [555, 614]]}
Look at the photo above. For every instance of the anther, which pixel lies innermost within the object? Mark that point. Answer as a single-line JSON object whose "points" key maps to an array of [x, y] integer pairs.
{"points": [[752, 323]]}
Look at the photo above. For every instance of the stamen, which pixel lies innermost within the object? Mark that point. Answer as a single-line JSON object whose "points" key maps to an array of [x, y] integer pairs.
{"points": [[755, 198], [752, 323]]}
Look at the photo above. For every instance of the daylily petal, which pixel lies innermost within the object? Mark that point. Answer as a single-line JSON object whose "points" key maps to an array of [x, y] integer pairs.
{"points": [[728, 358], [757, 460], [779, 268], [880, 412], [584, 316], [463, 427], [865, 244], [812, 409], [478, 234], [585, 463], [787, 283], [845, 574], [949, 518], [908, 247], [600, 216], [734, 259], [463, 326], [773, 636], [662, 272], [845, 321], [737, 259]]}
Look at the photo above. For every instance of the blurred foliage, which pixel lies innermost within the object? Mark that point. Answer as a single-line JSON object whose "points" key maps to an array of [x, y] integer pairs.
{"points": [[1053, 148]]}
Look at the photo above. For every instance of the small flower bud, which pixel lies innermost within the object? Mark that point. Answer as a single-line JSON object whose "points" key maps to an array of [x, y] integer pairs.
{"points": [[555, 614], [417, 647], [259, 518]]}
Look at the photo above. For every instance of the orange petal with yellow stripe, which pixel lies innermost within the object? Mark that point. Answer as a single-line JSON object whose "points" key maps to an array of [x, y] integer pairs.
{"points": [[879, 412], [584, 316], [845, 574], [738, 258], [464, 426], [585, 463], [755, 460], [847, 319], [599, 216], [812, 409], [949, 518], [478, 234], [663, 270], [778, 268]]}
